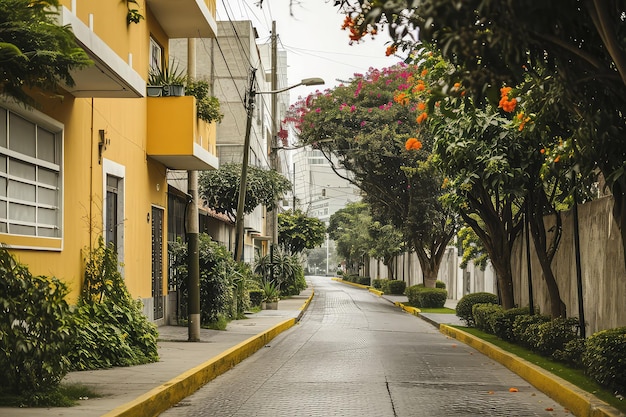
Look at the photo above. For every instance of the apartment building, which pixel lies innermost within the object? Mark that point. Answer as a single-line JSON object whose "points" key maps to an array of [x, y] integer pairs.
{"points": [[93, 161]]}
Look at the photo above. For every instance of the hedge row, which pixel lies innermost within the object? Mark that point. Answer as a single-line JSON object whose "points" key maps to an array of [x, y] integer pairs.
{"points": [[601, 356]]}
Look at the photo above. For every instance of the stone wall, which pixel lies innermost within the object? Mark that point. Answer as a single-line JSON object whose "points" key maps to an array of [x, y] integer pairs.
{"points": [[602, 266]]}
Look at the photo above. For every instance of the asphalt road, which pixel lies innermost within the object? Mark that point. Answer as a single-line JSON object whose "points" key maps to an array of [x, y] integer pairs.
{"points": [[355, 354]]}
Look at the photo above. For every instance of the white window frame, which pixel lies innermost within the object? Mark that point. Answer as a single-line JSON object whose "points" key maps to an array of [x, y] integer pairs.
{"points": [[37, 242]]}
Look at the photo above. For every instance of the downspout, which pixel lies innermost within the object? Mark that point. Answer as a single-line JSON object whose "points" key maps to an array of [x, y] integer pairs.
{"points": [[91, 180]]}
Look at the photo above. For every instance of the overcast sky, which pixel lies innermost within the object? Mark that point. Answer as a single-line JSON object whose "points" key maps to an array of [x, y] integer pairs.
{"points": [[315, 44]]}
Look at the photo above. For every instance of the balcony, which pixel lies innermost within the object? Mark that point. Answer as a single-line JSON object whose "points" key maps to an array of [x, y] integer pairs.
{"points": [[176, 137], [184, 18], [110, 76]]}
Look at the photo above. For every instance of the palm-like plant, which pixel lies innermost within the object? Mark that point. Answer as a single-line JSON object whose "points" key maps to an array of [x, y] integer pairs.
{"points": [[284, 269]]}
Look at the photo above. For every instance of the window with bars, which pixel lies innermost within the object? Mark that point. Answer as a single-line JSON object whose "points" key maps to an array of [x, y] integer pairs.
{"points": [[30, 177]]}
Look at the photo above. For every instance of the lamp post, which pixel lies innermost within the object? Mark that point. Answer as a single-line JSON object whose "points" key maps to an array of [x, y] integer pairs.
{"points": [[241, 202]]}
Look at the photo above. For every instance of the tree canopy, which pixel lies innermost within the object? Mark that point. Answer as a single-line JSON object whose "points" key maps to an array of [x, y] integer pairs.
{"points": [[35, 52], [220, 188], [297, 231], [348, 227], [569, 58], [374, 134]]}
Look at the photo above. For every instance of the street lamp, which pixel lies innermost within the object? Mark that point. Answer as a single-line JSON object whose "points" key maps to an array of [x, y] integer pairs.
{"points": [[241, 202]]}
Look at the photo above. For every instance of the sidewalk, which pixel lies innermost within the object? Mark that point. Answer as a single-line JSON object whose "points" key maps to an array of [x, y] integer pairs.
{"points": [[579, 402], [147, 390], [433, 318]]}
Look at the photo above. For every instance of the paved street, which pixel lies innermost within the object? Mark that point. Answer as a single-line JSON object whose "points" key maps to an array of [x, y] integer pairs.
{"points": [[355, 354]]}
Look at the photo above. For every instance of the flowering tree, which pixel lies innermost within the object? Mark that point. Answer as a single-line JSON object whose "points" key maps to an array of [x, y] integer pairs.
{"points": [[572, 54], [372, 128]]}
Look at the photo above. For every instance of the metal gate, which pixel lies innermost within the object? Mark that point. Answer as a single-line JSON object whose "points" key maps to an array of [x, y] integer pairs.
{"points": [[157, 262]]}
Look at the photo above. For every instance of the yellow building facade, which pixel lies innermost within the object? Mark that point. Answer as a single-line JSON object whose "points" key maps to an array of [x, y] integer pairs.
{"points": [[92, 160]]}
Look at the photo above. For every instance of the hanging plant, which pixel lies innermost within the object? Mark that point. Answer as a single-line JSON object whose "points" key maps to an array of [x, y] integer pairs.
{"points": [[133, 15]]}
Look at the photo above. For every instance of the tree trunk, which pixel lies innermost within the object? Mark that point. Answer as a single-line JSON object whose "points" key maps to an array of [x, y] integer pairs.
{"points": [[497, 241], [430, 264], [538, 204]]}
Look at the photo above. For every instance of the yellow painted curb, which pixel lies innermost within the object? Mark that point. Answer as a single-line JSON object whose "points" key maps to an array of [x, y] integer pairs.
{"points": [[377, 292], [354, 284], [411, 310], [579, 402], [163, 397]]}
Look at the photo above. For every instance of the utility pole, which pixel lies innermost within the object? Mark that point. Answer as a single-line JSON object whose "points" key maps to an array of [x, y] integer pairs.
{"points": [[273, 143], [193, 257], [241, 202]]}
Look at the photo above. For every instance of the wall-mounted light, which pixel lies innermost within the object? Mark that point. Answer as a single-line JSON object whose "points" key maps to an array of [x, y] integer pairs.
{"points": [[102, 144]]}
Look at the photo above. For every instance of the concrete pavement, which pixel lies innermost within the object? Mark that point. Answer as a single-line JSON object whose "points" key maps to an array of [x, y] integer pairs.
{"points": [[147, 390]]}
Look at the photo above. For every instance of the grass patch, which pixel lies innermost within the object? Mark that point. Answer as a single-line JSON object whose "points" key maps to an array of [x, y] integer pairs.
{"points": [[574, 376], [442, 310], [64, 395], [219, 324]]}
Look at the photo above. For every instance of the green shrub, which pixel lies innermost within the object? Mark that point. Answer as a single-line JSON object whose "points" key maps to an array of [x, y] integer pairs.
{"points": [[422, 297], [350, 277], [111, 327], [554, 334], [432, 298], [36, 329], [395, 287], [256, 297], [411, 293], [572, 352], [377, 283], [339, 272], [526, 329], [604, 359], [440, 284], [485, 316], [503, 324], [218, 272], [365, 281], [465, 304]]}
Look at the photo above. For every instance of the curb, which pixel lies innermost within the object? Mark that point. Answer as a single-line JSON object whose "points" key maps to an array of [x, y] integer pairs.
{"points": [[411, 310], [354, 284], [579, 402], [163, 397]]}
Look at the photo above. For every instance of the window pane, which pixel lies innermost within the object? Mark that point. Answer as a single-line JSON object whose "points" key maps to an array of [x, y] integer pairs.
{"points": [[3, 209], [47, 196], [47, 216], [3, 127], [22, 191], [3, 163], [3, 187], [45, 145], [21, 212], [48, 177], [46, 232], [17, 229], [21, 135], [22, 170], [3, 227]]}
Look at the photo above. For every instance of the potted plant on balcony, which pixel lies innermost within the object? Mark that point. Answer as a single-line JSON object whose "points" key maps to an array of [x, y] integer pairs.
{"points": [[166, 81], [271, 295], [208, 107]]}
